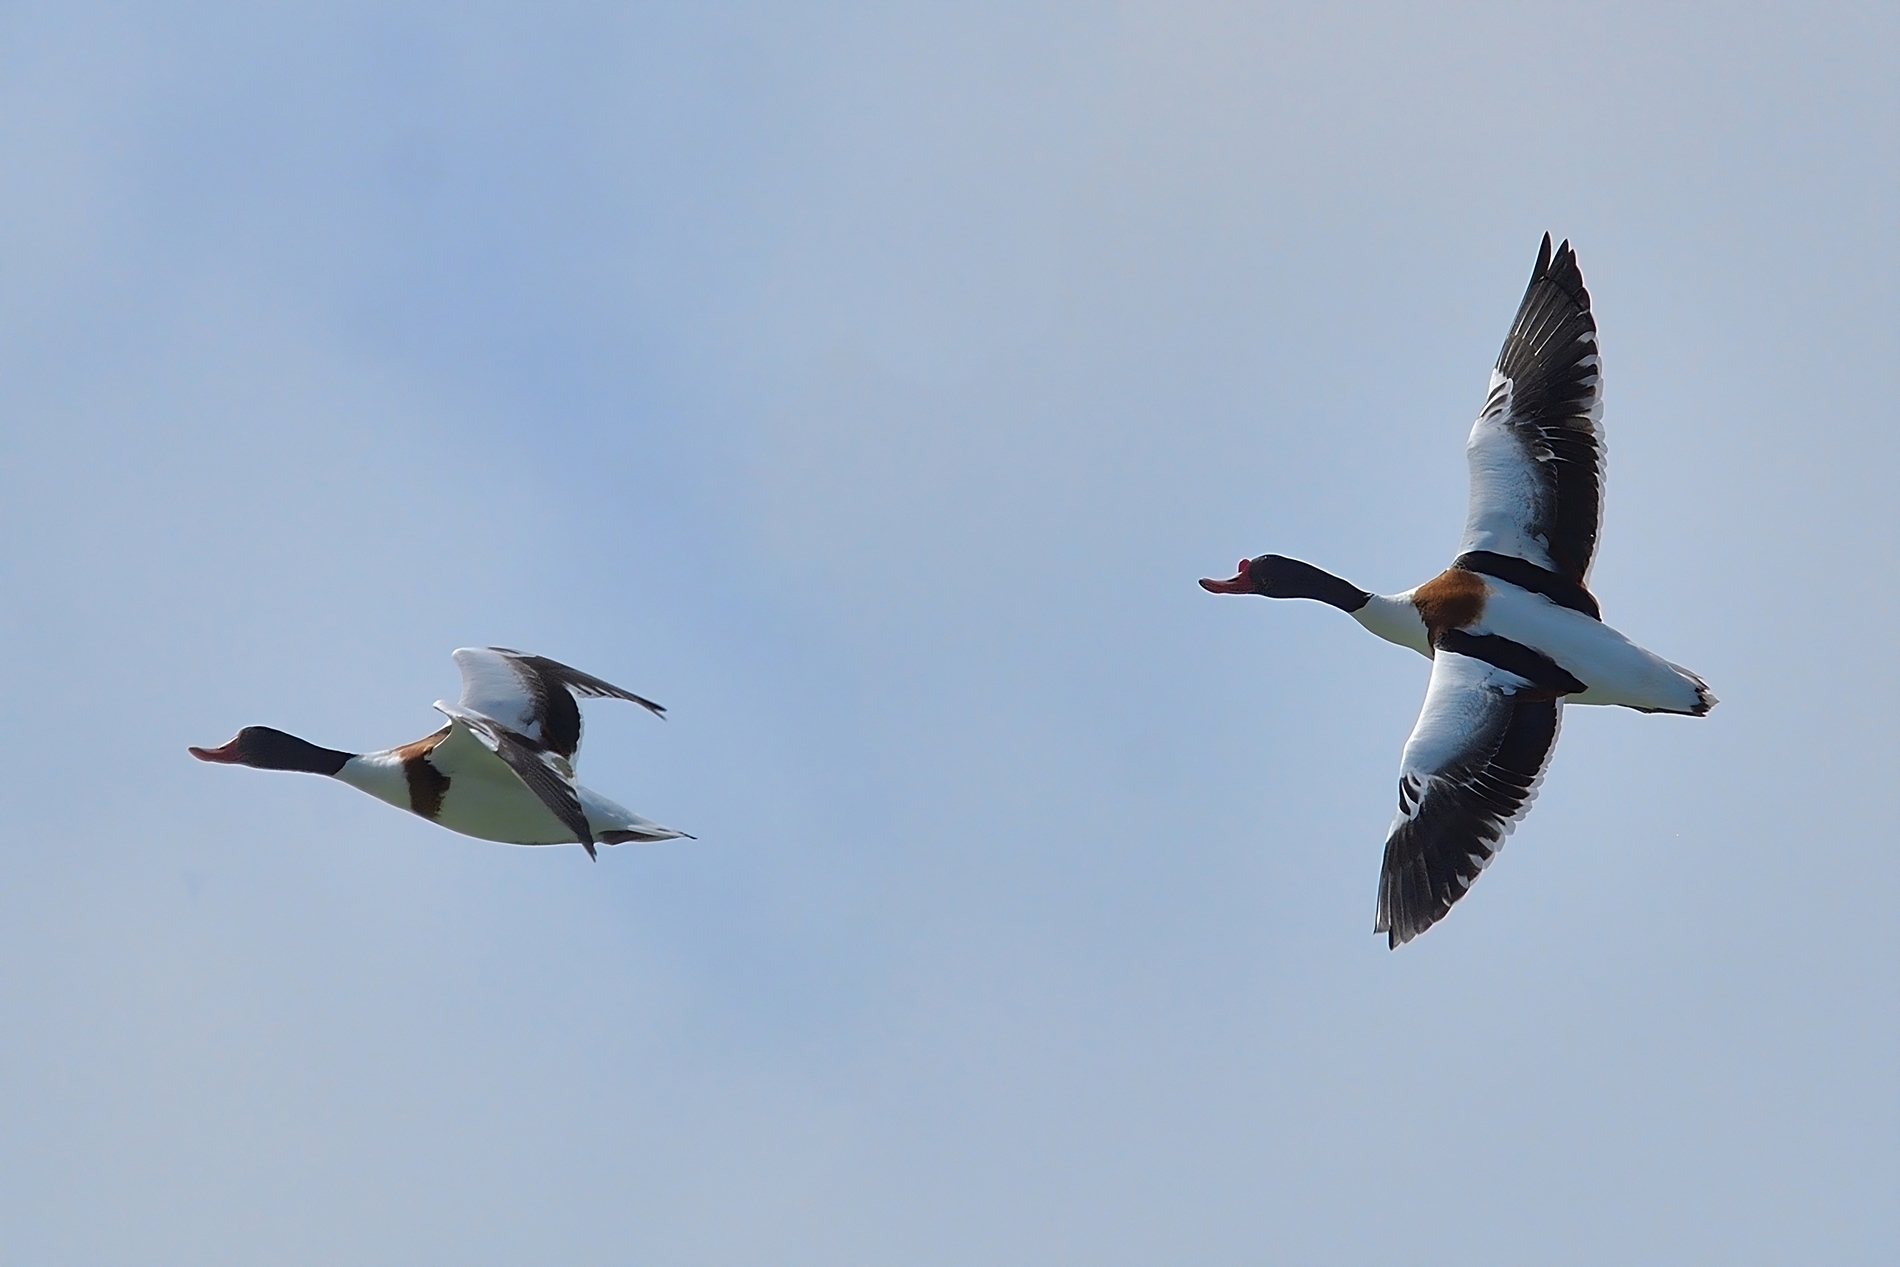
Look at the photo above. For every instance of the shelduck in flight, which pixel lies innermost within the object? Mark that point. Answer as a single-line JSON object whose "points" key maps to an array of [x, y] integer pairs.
{"points": [[1510, 628], [502, 769]]}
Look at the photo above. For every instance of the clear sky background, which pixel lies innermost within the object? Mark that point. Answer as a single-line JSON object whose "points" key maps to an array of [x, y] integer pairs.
{"points": [[870, 385]]}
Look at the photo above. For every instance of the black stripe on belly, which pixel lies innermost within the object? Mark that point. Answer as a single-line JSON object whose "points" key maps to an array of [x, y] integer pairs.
{"points": [[1513, 657], [427, 786], [1526, 575]]}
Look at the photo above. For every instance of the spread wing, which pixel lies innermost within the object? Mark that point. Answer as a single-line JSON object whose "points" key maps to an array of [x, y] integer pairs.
{"points": [[533, 695], [1470, 771], [546, 773], [1536, 452]]}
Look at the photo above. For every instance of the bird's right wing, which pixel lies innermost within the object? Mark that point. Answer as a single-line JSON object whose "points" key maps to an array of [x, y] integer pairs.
{"points": [[1471, 769]]}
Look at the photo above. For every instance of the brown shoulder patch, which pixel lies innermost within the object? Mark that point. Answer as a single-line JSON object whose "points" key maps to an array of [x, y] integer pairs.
{"points": [[1451, 600], [421, 747], [427, 785]]}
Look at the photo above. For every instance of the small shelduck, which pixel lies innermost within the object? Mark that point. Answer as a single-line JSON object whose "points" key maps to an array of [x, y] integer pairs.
{"points": [[1511, 628], [502, 769]]}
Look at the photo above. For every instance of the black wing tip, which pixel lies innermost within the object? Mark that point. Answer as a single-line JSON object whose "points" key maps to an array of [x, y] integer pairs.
{"points": [[658, 710], [576, 682], [1562, 271], [1419, 884], [1397, 935], [1414, 917]]}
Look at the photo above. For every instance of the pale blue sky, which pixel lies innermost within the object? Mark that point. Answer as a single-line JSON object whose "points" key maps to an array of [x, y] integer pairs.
{"points": [[870, 384]]}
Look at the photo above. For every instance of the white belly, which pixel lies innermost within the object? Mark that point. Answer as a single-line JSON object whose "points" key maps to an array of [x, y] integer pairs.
{"points": [[488, 809], [485, 799], [499, 807], [1615, 670]]}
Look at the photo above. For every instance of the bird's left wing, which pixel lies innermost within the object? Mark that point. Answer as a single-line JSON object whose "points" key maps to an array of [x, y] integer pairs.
{"points": [[1470, 771], [533, 695], [580, 683], [546, 773]]}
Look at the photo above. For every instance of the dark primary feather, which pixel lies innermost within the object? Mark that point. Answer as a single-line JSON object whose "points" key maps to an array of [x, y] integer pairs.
{"points": [[1550, 356], [553, 685], [1463, 814], [582, 683]]}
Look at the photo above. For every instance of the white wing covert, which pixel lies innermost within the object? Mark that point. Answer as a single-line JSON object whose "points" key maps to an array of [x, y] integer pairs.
{"points": [[493, 687]]}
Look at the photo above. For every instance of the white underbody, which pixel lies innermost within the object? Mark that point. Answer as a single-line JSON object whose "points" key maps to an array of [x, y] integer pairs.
{"points": [[1615, 670], [487, 800]]}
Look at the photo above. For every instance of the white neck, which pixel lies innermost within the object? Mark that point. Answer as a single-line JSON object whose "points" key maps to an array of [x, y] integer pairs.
{"points": [[381, 775], [1396, 620]]}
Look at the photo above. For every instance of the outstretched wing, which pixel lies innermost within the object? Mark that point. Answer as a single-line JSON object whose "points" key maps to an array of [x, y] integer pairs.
{"points": [[546, 773], [1470, 771], [533, 695], [1536, 452]]}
